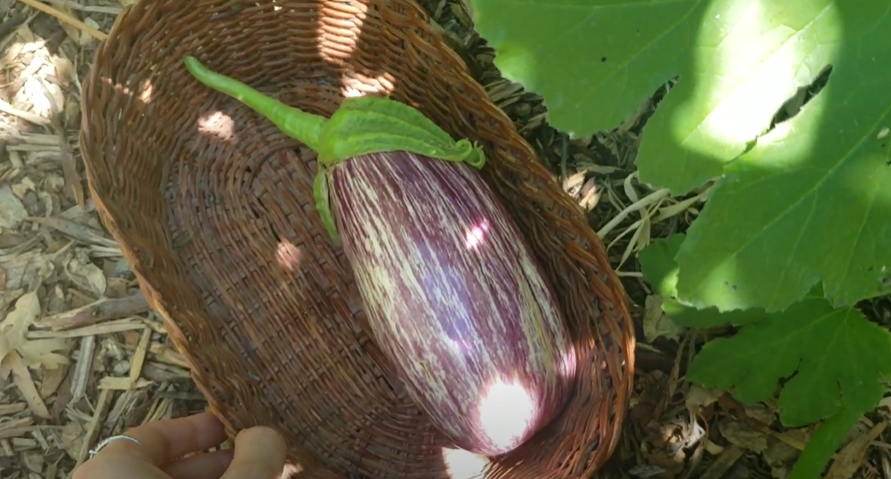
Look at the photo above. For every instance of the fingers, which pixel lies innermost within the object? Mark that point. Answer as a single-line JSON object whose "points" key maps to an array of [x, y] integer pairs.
{"points": [[259, 454], [204, 466], [164, 441]]}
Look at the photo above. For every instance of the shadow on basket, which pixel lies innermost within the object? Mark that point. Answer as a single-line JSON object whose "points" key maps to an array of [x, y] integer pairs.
{"points": [[213, 209]]}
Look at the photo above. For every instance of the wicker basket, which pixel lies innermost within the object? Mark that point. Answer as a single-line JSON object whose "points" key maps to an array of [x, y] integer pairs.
{"points": [[213, 209]]}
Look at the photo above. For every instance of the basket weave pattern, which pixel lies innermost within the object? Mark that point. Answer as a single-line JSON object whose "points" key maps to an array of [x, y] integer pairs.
{"points": [[213, 209]]}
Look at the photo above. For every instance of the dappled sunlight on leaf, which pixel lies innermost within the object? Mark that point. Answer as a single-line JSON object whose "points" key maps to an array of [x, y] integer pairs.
{"points": [[659, 267], [875, 163], [756, 243], [750, 58], [823, 220]]}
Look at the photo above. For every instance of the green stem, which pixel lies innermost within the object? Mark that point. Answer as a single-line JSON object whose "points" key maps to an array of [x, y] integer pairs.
{"points": [[299, 125]]}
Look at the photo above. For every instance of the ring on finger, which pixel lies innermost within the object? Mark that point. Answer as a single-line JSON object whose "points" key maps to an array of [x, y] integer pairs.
{"points": [[110, 440]]}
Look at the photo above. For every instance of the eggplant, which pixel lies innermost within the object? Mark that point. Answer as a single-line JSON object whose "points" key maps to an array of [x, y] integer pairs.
{"points": [[453, 294]]}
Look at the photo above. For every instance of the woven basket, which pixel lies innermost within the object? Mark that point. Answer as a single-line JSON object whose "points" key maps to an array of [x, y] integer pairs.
{"points": [[213, 209]]}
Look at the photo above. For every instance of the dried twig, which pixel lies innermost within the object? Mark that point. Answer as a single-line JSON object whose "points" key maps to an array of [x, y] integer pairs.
{"points": [[5, 107], [95, 426], [105, 309], [73, 182], [65, 18]]}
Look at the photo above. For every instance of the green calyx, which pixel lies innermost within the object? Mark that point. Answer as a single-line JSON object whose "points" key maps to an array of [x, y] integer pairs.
{"points": [[360, 126]]}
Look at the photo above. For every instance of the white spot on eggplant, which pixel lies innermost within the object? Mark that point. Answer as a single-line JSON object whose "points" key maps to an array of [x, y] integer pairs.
{"points": [[476, 234]]}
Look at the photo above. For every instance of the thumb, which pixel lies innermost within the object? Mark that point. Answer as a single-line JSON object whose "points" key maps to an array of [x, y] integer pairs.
{"points": [[259, 453]]}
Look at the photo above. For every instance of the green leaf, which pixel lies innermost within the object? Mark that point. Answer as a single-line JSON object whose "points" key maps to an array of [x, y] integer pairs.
{"points": [[660, 270], [594, 61], [810, 202], [748, 58], [804, 203], [360, 125], [658, 266], [842, 360], [840, 356], [823, 444]]}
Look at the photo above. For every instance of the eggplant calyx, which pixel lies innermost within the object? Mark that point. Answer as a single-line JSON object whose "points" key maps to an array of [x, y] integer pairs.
{"points": [[360, 126]]}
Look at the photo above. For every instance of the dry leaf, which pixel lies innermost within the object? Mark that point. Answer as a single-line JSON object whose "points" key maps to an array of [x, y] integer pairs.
{"points": [[12, 211], [77, 231], [72, 438], [8, 296], [86, 275], [743, 436], [73, 32], [780, 455], [760, 412], [656, 324], [22, 378], [699, 397], [851, 457], [23, 268], [86, 38], [36, 92], [13, 337], [34, 462]]}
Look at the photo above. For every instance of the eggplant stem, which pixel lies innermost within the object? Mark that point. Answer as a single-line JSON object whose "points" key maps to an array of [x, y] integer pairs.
{"points": [[359, 127], [299, 125]]}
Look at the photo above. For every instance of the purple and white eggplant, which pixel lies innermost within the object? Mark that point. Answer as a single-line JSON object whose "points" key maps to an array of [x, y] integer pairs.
{"points": [[453, 293]]}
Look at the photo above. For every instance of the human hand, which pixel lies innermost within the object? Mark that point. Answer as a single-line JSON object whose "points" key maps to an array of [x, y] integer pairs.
{"points": [[259, 453]]}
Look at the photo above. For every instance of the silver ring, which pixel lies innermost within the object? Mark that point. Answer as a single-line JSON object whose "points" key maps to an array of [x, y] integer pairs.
{"points": [[108, 441]]}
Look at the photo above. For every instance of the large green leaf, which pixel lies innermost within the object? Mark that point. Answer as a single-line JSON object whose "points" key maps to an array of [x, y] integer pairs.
{"points": [[837, 362], [812, 200], [807, 202], [660, 269], [748, 58], [834, 356], [769, 233], [840, 358], [593, 61]]}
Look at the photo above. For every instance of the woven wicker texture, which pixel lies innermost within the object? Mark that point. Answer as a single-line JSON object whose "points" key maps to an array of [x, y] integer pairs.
{"points": [[213, 209]]}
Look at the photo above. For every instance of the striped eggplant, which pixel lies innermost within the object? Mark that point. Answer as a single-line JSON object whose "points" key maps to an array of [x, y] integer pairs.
{"points": [[453, 294]]}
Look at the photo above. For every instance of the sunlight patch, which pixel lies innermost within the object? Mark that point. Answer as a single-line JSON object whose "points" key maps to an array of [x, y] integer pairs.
{"points": [[461, 464], [218, 124]]}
